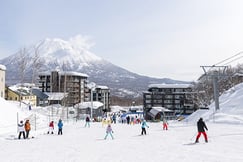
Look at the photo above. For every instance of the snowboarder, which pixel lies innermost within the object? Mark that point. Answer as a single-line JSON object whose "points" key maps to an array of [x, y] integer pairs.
{"points": [[87, 121], [109, 131], [201, 126], [51, 127], [143, 126], [165, 124], [27, 128], [21, 129], [60, 125]]}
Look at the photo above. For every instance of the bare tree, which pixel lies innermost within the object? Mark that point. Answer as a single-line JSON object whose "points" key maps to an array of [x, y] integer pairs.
{"points": [[37, 62], [23, 56]]}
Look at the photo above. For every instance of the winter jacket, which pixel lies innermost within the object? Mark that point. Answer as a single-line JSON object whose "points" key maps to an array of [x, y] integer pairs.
{"points": [[21, 127], [51, 124], [109, 129], [60, 124], [27, 126], [87, 119], [144, 124], [201, 126]]}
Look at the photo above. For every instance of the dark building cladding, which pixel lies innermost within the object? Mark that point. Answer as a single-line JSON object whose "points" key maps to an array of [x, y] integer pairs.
{"points": [[176, 97]]}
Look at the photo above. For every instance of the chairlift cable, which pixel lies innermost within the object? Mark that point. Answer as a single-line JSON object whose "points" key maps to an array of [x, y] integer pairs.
{"points": [[227, 63], [229, 58]]}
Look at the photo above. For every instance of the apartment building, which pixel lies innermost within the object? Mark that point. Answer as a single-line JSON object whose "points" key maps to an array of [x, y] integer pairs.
{"points": [[101, 94], [176, 97], [73, 83], [21, 93]]}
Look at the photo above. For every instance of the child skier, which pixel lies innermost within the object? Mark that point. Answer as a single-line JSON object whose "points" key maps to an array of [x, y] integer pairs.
{"points": [[51, 127], [143, 126], [87, 121], [165, 124], [60, 125], [109, 131]]}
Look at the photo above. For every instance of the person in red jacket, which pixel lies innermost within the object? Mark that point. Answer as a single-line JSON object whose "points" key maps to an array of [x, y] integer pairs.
{"points": [[51, 127], [201, 126]]}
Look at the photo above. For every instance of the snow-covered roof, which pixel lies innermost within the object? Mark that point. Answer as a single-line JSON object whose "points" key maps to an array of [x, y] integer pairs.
{"points": [[102, 87], [20, 90], [161, 109], [72, 73], [2, 67], [84, 105], [238, 74], [56, 95], [170, 85]]}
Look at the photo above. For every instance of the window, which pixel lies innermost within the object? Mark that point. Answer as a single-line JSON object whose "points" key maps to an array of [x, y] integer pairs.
{"points": [[168, 96]]}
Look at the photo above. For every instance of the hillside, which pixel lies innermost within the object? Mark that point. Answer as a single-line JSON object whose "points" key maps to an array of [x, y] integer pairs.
{"points": [[230, 104]]}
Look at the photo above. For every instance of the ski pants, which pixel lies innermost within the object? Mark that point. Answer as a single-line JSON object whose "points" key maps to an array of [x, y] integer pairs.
{"points": [[109, 133], [143, 131], [204, 134], [165, 126], [60, 131], [20, 133], [27, 133], [87, 124]]}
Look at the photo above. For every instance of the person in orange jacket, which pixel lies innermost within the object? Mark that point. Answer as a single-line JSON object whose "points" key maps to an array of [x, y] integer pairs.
{"points": [[27, 128]]}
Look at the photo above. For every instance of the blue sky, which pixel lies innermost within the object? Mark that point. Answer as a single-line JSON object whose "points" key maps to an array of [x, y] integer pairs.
{"points": [[158, 38]]}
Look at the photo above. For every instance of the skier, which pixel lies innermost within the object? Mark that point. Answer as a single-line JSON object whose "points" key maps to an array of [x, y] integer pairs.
{"points": [[60, 125], [103, 121], [165, 124], [87, 121], [27, 128], [51, 127], [201, 126], [21, 129], [143, 126], [109, 131]]}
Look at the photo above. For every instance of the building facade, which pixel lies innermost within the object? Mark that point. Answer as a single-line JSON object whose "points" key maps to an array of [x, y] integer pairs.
{"points": [[22, 94], [176, 97], [101, 94], [73, 83], [2, 81]]}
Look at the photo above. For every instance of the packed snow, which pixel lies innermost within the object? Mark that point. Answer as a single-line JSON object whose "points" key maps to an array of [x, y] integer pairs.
{"points": [[80, 143]]}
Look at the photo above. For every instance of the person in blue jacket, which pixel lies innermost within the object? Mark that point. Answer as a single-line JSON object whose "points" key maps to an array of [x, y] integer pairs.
{"points": [[60, 125], [144, 125]]}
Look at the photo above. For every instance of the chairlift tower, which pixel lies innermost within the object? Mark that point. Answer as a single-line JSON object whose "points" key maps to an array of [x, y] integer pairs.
{"points": [[215, 72]]}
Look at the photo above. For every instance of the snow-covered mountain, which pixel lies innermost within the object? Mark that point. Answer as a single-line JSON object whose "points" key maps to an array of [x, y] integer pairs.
{"points": [[75, 55]]}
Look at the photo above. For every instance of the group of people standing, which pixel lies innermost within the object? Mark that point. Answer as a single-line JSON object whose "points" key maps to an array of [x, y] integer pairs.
{"points": [[59, 125], [24, 129]]}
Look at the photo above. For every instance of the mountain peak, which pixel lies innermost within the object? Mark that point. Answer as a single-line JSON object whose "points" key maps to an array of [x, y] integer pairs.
{"points": [[75, 50]]}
